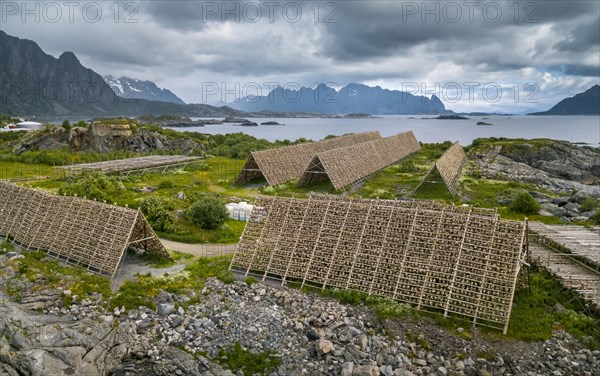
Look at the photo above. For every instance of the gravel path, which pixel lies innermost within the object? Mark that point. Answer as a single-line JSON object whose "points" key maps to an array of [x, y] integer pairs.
{"points": [[200, 250]]}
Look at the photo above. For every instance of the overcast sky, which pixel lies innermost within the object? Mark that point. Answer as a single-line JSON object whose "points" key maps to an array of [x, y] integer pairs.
{"points": [[513, 56]]}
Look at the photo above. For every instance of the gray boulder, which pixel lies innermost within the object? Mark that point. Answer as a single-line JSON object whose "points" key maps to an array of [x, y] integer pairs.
{"points": [[555, 209], [165, 309], [561, 201], [572, 207], [368, 370]]}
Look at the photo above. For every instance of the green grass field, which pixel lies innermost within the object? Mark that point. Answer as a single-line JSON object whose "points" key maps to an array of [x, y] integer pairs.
{"points": [[532, 317], [216, 175]]}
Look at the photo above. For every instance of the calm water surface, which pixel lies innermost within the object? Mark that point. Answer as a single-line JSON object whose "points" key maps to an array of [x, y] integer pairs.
{"points": [[585, 129]]}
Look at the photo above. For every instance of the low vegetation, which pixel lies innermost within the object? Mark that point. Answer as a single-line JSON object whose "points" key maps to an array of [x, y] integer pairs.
{"points": [[589, 204], [141, 291], [50, 274], [238, 359], [383, 308], [94, 186], [546, 306], [144, 288]]}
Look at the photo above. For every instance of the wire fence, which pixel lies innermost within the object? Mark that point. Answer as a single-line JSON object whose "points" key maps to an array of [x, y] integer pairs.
{"points": [[14, 171]]}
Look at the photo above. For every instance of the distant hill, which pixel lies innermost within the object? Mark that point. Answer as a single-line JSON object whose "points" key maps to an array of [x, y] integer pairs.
{"points": [[354, 98], [35, 83], [586, 103], [126, 87]]}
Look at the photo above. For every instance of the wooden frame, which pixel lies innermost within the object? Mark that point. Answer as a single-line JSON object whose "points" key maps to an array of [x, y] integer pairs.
{"points": [[446, 259], [449, 166], [348, 165], [283, 164], [75, 230], [131, 165]]}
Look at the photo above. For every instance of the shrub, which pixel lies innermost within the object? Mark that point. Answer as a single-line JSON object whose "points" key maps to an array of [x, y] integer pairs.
{"points": [[596, 217], [158, 212], [82, 124], [588, 204], [166, 184], [208, 213], [92, 186], [523, 202], [66, 125]]}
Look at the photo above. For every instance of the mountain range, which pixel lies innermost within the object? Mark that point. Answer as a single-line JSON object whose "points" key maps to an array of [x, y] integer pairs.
{"points": [[133, 88], [351, 99], [586, 103], [35, 83]]}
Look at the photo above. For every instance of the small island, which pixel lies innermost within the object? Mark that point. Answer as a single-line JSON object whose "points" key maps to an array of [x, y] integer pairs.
{"points": [[483, 123], [271, 123], [357, 116], [451, 117], [174, 121], [231, 119]]}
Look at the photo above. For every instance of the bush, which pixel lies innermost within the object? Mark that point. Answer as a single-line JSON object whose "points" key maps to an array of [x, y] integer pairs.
{"points": [[166, 184], [92, 186], [158, 212], [588, 204], [523, 202], [66, 125], [596, 217], [208, 213]]}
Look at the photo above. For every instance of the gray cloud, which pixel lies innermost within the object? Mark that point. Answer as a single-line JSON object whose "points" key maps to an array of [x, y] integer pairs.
{"points": [[578, 70], [581, 37], [389, 27], [182, 45]]}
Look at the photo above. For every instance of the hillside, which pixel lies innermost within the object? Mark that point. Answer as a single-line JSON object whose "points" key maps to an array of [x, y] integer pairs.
{"points": [[35, 83], [586, 103]]}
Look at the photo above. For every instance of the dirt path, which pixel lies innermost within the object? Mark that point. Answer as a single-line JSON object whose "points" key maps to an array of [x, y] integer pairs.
{"points": [[200, 250], [132, 266]]}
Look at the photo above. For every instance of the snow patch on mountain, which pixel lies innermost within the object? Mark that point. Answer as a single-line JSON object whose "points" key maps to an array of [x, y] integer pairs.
{"points": [[127, 87]]}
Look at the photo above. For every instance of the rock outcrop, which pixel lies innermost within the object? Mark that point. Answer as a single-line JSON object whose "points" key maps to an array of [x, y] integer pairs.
{"points": [[560, 159], [85, 139], [309, 334], [507, 169]]}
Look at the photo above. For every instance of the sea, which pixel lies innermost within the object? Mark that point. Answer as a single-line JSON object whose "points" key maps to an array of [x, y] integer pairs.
{"points": [[576, 129]]}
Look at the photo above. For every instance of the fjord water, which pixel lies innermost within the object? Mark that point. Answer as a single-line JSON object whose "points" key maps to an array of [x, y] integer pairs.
{"points": [[580, 129]]}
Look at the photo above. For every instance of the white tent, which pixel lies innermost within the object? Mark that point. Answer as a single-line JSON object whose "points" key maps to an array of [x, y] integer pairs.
{"points": [[239, 211], [29, 125]]}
